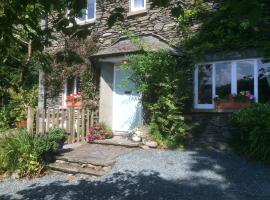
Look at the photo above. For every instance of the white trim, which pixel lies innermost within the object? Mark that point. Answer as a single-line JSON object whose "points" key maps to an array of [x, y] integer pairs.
{"points": [[233, 77], [114, 99], [134, 9], [213, 83], [65, 94], [75, 86], [196, 90], [256, 80], [87, 21]]}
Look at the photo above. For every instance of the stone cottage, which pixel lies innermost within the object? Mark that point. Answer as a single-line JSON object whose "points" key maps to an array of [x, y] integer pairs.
{"points": [[119, 106]]}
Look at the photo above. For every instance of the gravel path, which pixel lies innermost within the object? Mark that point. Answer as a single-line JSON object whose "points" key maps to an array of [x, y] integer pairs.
{"points": [[157, 175]]}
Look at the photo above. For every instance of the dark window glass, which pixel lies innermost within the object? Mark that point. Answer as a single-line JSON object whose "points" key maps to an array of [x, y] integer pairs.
{"points": [[223, 79], [245, 76], [264, 81], [70, 86], [205, 84]]}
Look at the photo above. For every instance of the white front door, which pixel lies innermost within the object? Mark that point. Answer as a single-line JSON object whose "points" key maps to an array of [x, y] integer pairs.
{"points": [[127, 106]]}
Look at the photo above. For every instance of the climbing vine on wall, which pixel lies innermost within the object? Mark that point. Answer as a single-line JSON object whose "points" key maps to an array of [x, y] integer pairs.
{"points": [[73, 61], [210, 26]]}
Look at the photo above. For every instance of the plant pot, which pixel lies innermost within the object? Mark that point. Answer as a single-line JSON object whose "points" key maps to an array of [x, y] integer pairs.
{"points": [[232, 105], [60, 147], [74, 104]]}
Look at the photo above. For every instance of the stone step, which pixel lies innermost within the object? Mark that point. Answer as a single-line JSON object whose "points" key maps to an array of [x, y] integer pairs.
{"points": [[118, 141], [73, 169], [90, 161]]}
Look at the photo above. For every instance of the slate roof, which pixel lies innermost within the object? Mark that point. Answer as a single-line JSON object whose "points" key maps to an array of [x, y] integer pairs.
{"points": [[147, 42]]}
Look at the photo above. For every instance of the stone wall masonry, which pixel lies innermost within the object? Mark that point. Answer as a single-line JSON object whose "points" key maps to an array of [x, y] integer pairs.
{"points": [[157, 20]]}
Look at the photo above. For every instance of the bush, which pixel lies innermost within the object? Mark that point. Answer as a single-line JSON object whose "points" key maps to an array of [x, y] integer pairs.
{"points": [[253, 138], [17, 154], [163, 81], [99, 132], [25, 153]]}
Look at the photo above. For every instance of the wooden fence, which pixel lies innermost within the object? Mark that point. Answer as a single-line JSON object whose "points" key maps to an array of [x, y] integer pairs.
{"points": [[76, 122]]}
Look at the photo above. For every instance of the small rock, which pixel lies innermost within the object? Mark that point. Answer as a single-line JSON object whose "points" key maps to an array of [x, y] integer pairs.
{"points": [[91, 166], [136, 138], [145, 147], [83, 165], [107, 168], [69, 177], [15, 176], [151, 144], [98, 168], [60, 161]]}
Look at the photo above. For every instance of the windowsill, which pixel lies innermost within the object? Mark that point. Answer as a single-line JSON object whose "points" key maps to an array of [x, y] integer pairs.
{"points": [[196, 110], [137, 12], [89, 22]]}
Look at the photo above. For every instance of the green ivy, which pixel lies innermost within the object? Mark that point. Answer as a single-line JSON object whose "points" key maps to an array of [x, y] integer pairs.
{"points": [[162, 80]]}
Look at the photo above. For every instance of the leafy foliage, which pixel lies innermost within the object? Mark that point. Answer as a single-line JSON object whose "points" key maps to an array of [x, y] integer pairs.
{"points": [[161, 79], [254, 131], [226, 25], [24, 153], [99, 132]]}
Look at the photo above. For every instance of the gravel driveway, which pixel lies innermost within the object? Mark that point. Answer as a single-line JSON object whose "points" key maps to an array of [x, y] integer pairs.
{"points": [[156, 174]]}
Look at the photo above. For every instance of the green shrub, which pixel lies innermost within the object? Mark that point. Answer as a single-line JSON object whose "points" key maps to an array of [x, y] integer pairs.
{"points": [[24, 153], [17, 154], [253, 138], [163, 81]]}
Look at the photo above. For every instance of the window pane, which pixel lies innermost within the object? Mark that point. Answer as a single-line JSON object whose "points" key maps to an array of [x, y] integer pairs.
{"points": [[70, 86], [205, 84], [245, 76], [83, 13], [223, 79], [91, 9], [138, 3], [264, 81]]}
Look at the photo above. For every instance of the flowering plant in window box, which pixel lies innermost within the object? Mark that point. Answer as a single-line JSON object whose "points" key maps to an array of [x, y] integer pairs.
{"points": [[99, 132], [74, 100], [235, 101]]}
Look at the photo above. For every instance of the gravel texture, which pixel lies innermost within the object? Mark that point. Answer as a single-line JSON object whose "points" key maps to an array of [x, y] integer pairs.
{"points": [[157, 175]]}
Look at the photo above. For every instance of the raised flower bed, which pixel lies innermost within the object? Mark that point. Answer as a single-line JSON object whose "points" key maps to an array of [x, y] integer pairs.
{"points": [[235, 102]]}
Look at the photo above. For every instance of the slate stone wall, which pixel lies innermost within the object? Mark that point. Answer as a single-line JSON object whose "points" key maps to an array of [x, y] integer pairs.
{"points": [[154, 20]]}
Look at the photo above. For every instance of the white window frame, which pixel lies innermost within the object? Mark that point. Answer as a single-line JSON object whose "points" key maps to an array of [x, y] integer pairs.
{"points": [[233, 80], [134, 9], [65, 93], [82, 22]]}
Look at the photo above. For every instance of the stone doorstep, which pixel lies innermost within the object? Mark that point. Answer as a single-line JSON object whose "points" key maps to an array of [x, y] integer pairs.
{"points": [[103, 163], [67, 168], [123, 143]]}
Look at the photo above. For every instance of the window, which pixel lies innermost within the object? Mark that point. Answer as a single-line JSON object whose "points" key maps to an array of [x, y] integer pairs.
{"points": [[137, 5], [223, 79], [88, 14], [71, 86], [205, 84], [264, 81], [245, 76]]}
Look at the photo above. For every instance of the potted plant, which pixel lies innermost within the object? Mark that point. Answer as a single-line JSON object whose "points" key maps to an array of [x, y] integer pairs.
{"points": [[235, 101], [74, 100], [99, 132]]}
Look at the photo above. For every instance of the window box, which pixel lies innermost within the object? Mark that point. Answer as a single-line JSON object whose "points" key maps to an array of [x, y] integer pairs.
{"points": [[74, 100], [231, 105]]}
